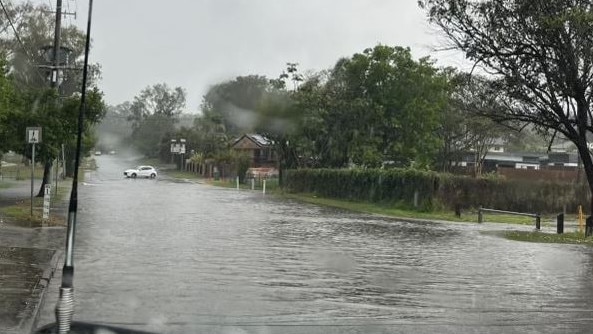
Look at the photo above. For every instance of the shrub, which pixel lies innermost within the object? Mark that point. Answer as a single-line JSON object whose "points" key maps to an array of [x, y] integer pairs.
{"points": [[436, 190]]}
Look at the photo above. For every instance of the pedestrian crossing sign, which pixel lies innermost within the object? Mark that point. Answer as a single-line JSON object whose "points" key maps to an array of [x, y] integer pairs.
{"points": [[33, 135]]}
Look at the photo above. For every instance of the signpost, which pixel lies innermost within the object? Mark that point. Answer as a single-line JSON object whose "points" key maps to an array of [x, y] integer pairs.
{"points": [[46, 202], [33, 137], [178, 148]]}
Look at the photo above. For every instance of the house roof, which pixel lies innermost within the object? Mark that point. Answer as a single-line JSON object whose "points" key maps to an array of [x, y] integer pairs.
{"points": [[258, 139]]}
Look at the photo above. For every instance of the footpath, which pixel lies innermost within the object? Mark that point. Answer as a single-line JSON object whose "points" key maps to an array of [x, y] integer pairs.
{"points": [[28, 260]]}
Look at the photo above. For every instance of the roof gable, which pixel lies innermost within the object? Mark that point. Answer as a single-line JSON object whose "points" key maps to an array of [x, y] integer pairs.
{"points": [[251, 141]]}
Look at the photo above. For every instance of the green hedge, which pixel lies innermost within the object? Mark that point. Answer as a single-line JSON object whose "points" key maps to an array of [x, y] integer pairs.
{"points": [[436, 191]]}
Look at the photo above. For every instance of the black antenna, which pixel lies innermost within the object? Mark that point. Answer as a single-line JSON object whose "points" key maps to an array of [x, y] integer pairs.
{"points": [[65, 306]]}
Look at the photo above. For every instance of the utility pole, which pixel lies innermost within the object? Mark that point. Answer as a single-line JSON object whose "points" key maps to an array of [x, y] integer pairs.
{"points": [[55, 73], [56, 52]]}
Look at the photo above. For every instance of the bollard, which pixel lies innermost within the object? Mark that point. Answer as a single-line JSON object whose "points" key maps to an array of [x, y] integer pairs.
{"points": [[237, 183], [253, 184], [264, 186], [589, 226], [480, 218], [538, 222], [560, 223]]}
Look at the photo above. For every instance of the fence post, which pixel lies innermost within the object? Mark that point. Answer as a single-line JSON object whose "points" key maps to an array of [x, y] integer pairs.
{"points": [[480, 218], [581, 220], [589, 226], [560, 223], [237, 183], [253, 183], [264, 187], [538, 222]]}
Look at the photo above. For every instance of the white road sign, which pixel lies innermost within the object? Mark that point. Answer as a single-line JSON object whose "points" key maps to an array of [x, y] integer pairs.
{"points": [[46, 201], [33, 135]]}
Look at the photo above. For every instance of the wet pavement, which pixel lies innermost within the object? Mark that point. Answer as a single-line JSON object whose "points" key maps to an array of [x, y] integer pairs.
{"points": [[27, 259], [184, 257]]}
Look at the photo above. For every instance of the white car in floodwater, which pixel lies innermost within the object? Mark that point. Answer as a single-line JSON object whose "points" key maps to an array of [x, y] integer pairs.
{"points": [[141, 171]]}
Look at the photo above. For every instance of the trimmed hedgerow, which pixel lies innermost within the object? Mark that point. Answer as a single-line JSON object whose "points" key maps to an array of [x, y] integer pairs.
{"points": [[425, 189]]}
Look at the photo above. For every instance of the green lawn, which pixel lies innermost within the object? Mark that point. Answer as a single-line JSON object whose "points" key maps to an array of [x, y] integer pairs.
{"points": [[566, 238], [20, 214], [6, 184], [21, 172], [394, 211], [183, 175]]}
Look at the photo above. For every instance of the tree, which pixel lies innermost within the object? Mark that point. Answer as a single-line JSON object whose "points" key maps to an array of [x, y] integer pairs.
{"points": [[153, 114], [58, 121], [376, 106], [540, 54], [233, 104], [28, 58], [464, 128], [278, 122], [8, 96], [211, 136], [31, 56]]}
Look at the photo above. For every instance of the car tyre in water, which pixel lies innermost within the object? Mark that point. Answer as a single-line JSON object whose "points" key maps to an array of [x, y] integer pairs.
{"points": [[152, 176], [133, 175]]}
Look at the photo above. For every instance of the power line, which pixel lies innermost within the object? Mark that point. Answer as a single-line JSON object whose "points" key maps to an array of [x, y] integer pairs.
{"points": [[18, 38], [68, 11], [16, 34]]}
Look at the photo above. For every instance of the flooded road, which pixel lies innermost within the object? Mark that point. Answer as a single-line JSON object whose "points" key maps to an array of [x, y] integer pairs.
{"points": [[182, 257]]}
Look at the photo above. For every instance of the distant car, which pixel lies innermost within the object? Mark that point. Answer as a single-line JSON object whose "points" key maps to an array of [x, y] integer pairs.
{"points": [[141, 171], [112, 152], [97, 152]]}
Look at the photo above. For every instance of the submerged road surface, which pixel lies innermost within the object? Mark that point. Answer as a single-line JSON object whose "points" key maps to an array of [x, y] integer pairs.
{"points": [[182, 257]]}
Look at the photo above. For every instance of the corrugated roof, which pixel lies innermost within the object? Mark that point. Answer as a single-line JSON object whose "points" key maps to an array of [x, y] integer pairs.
{"points": [[256, 138], [260, 139]]}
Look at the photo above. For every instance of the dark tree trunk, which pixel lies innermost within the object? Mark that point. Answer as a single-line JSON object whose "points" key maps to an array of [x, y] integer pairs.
{"points": [[281, 174], [46, 180], [588, 167], [586, 160]]}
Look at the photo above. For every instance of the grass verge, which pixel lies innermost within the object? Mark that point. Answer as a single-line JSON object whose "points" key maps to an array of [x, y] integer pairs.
{"points": [[398, 212], [19, 213], [272, 187], [21, 172], [183, 175], [566, 238], [6, 185]]}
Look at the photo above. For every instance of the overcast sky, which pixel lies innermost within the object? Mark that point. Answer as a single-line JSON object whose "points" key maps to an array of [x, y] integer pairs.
{"points": [[197, 43]]}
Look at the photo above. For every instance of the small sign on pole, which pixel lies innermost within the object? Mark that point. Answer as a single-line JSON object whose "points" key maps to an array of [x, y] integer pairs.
{"points": [[34, 135], [46, 201]]}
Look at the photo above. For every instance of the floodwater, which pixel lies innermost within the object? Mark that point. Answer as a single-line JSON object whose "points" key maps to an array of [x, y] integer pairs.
{"points": [[184, 257]]}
